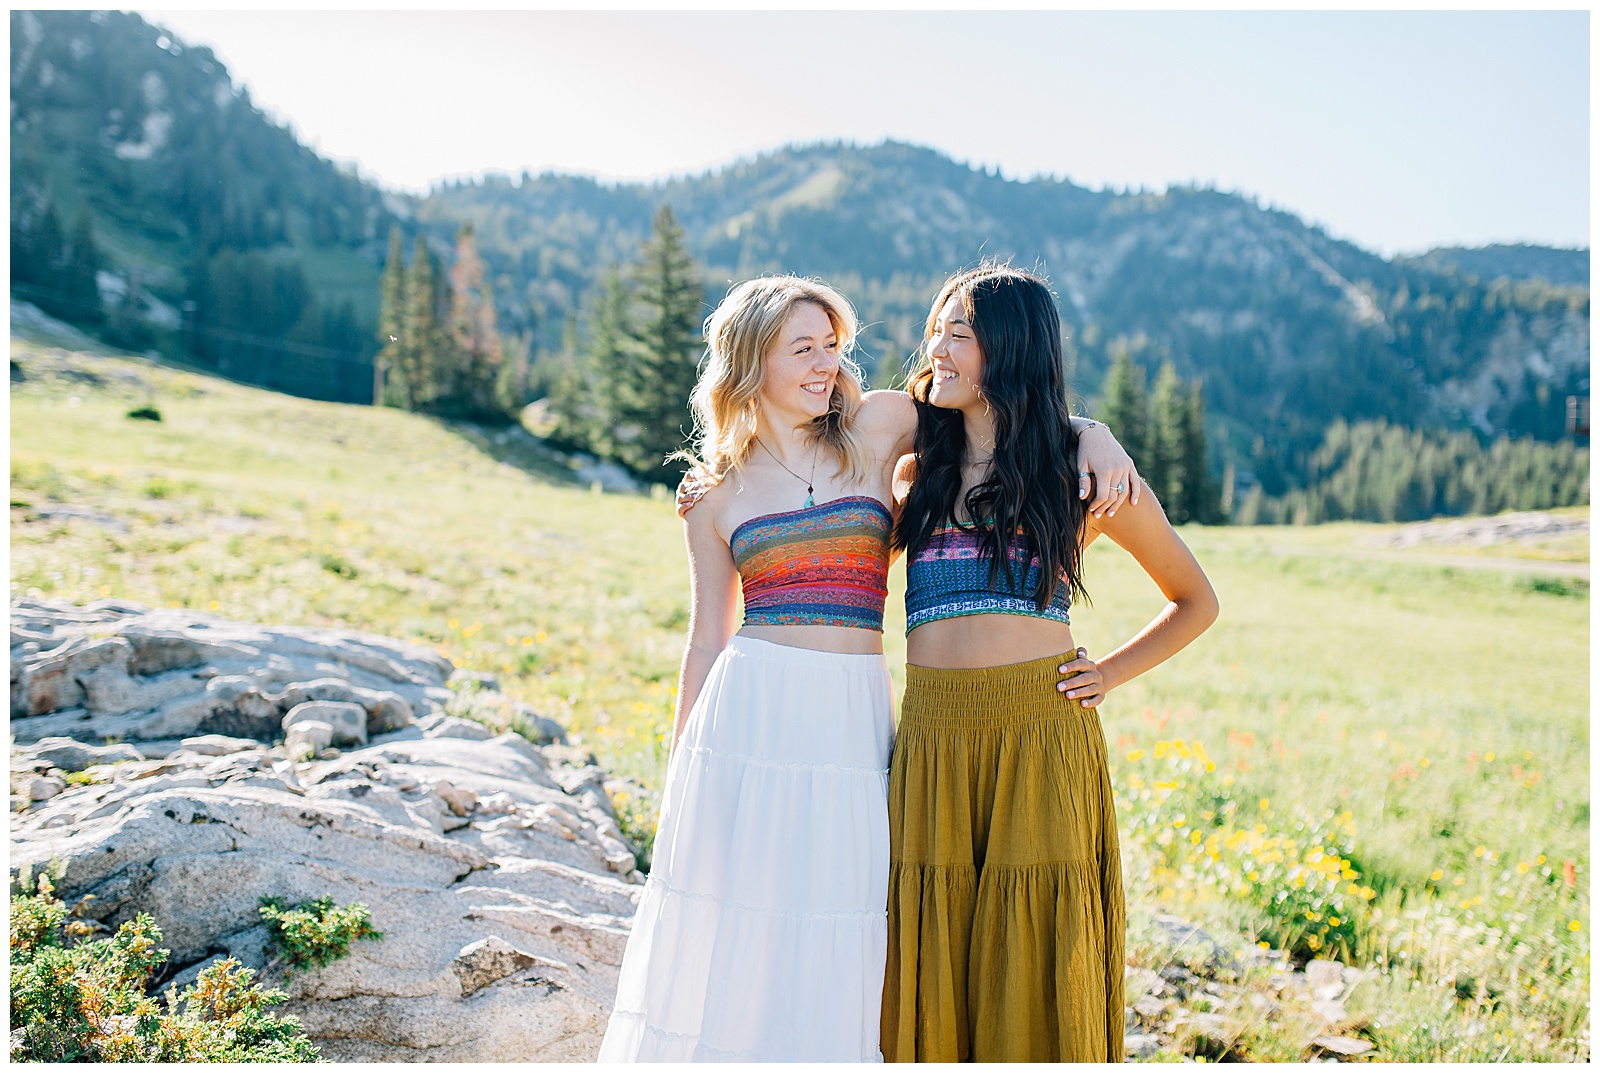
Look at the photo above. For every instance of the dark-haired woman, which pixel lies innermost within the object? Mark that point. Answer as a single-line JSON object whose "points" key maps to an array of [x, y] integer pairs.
{"points": [[1006, 913]]}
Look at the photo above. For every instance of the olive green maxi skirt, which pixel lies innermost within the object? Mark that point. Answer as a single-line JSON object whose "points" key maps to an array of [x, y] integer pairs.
{"points": [[1006, 915]]}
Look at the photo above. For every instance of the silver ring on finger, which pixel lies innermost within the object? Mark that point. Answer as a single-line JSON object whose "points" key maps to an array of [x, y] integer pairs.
{"points": [[1119, 488]]}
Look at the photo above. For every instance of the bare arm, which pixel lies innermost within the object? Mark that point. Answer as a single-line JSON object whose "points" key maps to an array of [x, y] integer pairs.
{"points": [[890, 420], [713, 604], [1144, 532], [1100, 456]]}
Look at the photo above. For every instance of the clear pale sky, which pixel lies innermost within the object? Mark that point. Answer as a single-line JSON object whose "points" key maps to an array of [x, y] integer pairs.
{"points": [[1400, 131]]}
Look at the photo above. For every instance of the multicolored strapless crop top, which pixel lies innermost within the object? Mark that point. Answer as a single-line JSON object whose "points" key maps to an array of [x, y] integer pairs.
{"points": [[948, 579], [826, 565]]}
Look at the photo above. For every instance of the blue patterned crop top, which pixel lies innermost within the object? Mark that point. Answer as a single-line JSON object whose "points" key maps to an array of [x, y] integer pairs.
{"points": [[826, 565], [948, 579]]}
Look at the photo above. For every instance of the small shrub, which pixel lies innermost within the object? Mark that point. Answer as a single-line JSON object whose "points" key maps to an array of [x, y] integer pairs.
{"points": [[337, 564], [315, 933], [638, 815], [79, 1000], [1555, 586], [145, 413]]}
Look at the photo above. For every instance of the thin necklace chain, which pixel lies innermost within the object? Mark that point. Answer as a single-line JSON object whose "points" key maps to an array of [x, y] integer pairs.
{"points": [[810, 490]]}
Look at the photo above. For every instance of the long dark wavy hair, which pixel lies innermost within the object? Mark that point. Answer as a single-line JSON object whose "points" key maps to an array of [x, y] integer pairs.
{"points": [[1032, 485]]}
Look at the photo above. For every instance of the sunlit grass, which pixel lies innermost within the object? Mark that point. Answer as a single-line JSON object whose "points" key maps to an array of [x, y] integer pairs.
{"points": [[1425, 723]]}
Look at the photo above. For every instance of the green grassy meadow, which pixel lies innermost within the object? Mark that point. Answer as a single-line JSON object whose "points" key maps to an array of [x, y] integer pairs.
{"points": [[1371, 755]]}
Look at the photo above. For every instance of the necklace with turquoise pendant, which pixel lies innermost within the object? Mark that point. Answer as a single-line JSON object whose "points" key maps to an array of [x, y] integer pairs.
{"points": [[811, 499]]}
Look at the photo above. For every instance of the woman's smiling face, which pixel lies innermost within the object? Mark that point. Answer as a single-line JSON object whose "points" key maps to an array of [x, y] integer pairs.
{"points": [[801, 366], [957, 359]]}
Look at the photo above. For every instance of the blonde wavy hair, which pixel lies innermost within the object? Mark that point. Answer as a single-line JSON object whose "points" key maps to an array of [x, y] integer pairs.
{"points": [[727, 397]]}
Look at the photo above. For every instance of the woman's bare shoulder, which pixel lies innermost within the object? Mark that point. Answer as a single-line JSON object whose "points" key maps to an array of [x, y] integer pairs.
{"points": [[888, 406], [889, 418], [712, 503]]}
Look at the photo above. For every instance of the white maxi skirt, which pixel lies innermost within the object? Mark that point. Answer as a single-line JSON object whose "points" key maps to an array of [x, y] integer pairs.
{"points": [[762, 930]]}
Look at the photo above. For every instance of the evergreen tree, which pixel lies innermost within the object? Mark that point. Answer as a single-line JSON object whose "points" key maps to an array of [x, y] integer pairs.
{"points": [[1199, 496], [1124, 408], [475, 351], [671, 298], [611, 401], [567, 382], [389, 387], [80, 271], [511, 389], [420, 355], [1164, 465], [46, 250]]}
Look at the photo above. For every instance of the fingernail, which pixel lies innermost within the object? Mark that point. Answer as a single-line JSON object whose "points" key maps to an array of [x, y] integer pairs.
{"points": [[1113, 514], [1060, 686], [1070, 693], [1062, 669]]}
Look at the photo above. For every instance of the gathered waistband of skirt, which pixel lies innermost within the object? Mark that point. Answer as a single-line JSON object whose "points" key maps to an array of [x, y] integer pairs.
{"points": [[988, 696], [793, 655]]}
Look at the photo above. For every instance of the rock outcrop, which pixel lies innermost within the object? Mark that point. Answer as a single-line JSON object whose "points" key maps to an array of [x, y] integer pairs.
{"points": [[494, 866]]}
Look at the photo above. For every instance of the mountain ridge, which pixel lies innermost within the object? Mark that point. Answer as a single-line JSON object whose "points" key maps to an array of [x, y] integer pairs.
{"points": [[1288, 327]]}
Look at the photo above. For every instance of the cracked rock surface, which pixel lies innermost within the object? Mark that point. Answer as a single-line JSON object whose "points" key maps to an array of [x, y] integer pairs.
{"points": [[494, 867]]}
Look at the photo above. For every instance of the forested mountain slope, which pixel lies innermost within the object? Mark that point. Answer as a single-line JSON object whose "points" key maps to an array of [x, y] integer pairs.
{"points": [[154, 203], [191, 195], [1288, 327]]}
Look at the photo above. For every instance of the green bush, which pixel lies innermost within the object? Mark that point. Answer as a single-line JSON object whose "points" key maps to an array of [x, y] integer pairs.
{"points": [[74, 999], [315, 933]]}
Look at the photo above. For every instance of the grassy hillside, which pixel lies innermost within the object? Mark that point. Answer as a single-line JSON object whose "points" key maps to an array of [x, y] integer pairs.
{"points": [[1374, 753]]}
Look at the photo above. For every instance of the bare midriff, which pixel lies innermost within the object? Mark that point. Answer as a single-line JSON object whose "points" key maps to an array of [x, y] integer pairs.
{"points": [[986, 641], [851, 640]]}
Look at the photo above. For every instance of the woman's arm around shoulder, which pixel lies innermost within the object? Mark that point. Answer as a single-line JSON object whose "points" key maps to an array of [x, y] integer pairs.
{"points": [[713, 603], [1143, 531], [889, 421]]}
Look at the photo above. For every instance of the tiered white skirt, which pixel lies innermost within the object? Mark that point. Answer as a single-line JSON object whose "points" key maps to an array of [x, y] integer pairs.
{"points": [[761, 933]]}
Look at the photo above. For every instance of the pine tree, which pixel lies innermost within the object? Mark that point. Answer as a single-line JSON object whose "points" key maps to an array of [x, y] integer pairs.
{"points": [[421, 348], [475, 350], [568, 388], [389, 389], [1125, 409], [671, 298], [614, 375], [80, 272], [1165, 469], [1199, 495]]}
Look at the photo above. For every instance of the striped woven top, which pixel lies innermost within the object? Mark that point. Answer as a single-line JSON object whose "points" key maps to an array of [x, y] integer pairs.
{"points": [[948, 578], [825, 565]]}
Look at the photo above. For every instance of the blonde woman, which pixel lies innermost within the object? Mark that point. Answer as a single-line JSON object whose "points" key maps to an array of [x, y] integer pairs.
{"points": [[761, 932]]}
